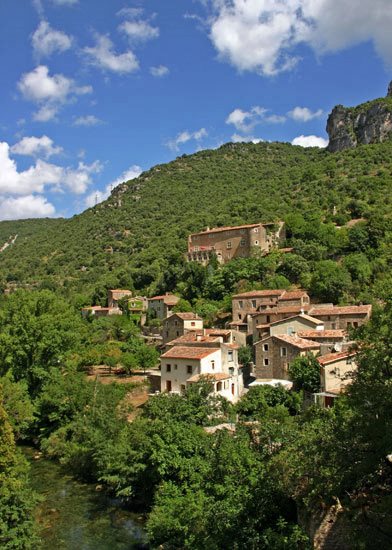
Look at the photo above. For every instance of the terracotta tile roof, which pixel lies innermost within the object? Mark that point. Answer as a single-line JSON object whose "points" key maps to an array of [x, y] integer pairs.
{"points": [[332, 357], [277, 310], [300, 316], [260, 293], [215, 376], [227, 228], [293, 295], [120, 290], [168, 299], [266, 325], [187, 316], [234, 345], [299, 343], [217, 331], [188, 352], [341, 310], [322, 334], [192, 337]]}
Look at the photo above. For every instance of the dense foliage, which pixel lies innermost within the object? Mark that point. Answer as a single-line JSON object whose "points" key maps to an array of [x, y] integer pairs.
{"points": [[138, 237]]}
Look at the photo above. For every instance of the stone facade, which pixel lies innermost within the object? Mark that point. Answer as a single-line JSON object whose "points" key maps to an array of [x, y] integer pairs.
{"points": [[240, 241], [115, 295], [342, 318], [179, 324], [274, 354], [161, 307]]}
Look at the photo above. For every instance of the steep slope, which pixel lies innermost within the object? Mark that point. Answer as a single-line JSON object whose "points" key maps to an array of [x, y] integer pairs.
{"points": [[142, 228], [370, 122]]}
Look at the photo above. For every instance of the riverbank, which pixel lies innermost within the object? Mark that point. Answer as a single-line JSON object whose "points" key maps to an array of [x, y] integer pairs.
{"points": [[74, 515]]}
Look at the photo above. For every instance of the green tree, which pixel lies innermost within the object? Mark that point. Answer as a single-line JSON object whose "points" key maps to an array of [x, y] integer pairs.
{"points": [[304, 371]]}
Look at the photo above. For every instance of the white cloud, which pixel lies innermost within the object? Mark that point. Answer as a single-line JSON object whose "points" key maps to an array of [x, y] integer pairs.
{"points": [[237, 138], [131, 13], [310, 141], [262, 35], [46, 40], [303, 114], [245, 121], [49, 92], [88, 120], [103, 56], [184, 137], [139, 31], [98, 196], [42, 174], [34, 146], [159, 71], [29, 206]]}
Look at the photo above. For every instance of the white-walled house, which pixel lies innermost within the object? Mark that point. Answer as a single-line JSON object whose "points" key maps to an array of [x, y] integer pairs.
{"points": [[184, 365]]}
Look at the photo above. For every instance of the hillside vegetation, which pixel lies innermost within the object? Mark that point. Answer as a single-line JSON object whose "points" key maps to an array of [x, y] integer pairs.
{"points": [[136, 237]]}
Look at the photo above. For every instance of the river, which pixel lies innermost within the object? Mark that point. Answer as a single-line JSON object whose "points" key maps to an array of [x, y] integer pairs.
{"points": [[75, 516]]}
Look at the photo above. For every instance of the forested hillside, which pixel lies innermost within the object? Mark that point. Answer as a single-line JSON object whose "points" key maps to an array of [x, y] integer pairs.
{"points": [[139, 234]]}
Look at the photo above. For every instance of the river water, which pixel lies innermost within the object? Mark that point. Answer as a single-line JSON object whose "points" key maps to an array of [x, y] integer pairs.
{"points": [[75, 516]]}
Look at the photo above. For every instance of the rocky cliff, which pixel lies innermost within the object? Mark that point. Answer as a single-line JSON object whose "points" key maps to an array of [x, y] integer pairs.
{"points": [[370, 122]]}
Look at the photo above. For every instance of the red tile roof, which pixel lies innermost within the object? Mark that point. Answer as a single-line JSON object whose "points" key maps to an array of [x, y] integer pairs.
{"points": [[167, 298], [259, 293], [322, 334], [300, 343], [192, 337], [278, 310], [187, 316], [227, 228], [332, 357], [188, 352], [300, 316], [341, 310], [293, 295]]}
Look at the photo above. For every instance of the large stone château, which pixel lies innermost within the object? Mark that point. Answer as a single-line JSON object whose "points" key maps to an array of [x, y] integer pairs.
{"points": [[240, 241]]}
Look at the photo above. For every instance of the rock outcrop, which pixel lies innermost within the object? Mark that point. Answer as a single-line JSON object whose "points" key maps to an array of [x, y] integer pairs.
{"points": [[367, 123]]}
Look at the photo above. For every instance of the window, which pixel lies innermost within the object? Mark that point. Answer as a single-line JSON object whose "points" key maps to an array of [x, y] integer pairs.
{"points": [[240, 304], [168, 385], [175, 323], [213, 365], [193, 323], [243, 242], [256, 243], [189, 369], [266, 362], [268, 318], [256, 229], [265, 347], [355, 324], [219, 386], [182, 387], [240, 316], [175, 367], [290, 331], [283, 352], [230, 355], [228, 245], [333, 326], [168, 368], [178, 333], [254, 305]]}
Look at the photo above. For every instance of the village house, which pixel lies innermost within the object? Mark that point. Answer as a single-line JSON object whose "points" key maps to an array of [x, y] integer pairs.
{"points": [[274, 354], [242, 241], [99, 311], [182, 365], [208, 335], [179, 324], [160, 307], [329, 340], [115, 295], [261, 305], [336, 371], [342, 317]]}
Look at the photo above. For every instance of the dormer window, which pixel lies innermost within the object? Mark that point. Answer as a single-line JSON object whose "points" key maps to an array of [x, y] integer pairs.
{"points": [[228, 245]]}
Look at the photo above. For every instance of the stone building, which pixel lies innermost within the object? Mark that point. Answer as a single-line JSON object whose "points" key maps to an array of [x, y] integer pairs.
{"points": [[187, 364], [115, 295], [240, 241], [336, 370], [179, 324], [161, 307], [275, 353], [342, 317]]}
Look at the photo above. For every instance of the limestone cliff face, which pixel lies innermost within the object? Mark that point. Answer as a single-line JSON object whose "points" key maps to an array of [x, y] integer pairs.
{"points": [[368, 123]]}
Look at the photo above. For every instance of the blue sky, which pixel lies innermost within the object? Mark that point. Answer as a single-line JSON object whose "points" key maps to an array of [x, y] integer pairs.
{"points": [[93, 92]]}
